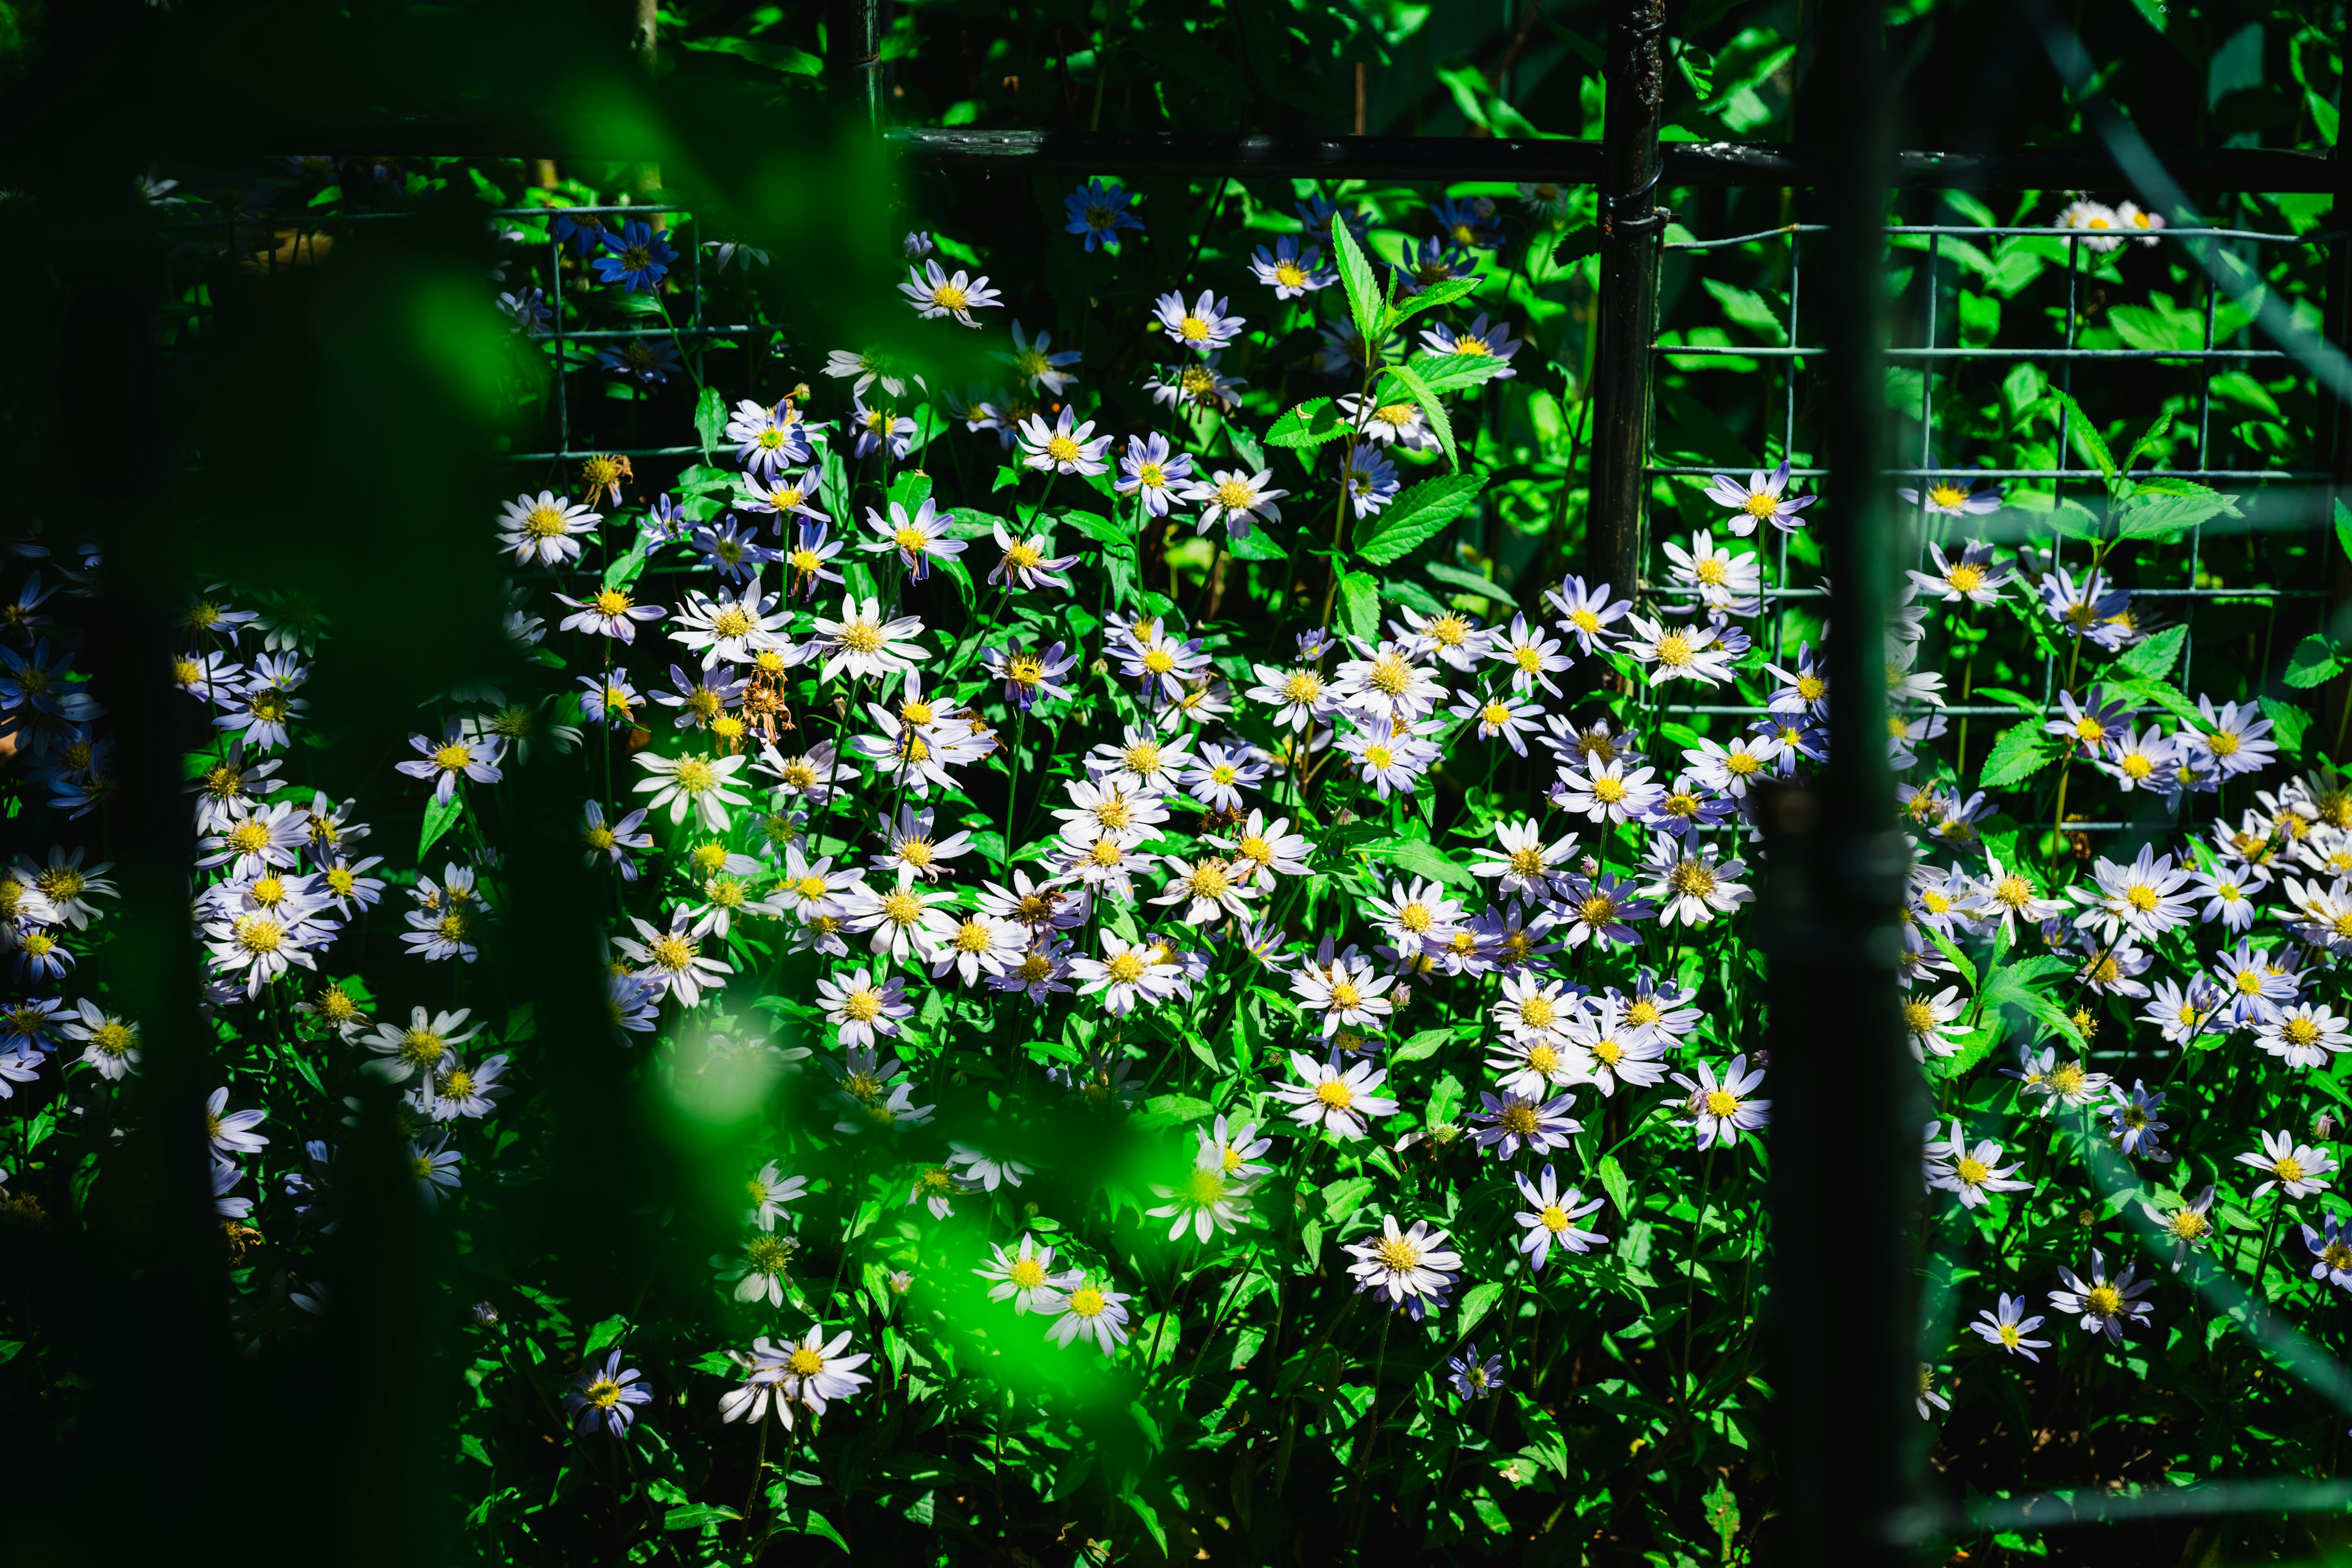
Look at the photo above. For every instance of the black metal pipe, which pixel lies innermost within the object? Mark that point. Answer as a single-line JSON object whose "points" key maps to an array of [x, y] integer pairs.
{"points": [[1847, 1099], [1572, 161], [1632, 226]]}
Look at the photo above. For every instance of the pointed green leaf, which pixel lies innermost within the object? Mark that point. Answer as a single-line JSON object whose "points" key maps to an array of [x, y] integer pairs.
{"points": [[709, 417], [1357, 278], [2020, 751], [440, 816], [1416, 515], [1433, 408], [1310, 424], [1359, 597], [1444, 292], [2316, 660]]}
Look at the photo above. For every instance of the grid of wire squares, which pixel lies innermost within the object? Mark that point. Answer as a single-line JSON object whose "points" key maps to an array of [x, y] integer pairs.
{"points": [[1931, 353]]}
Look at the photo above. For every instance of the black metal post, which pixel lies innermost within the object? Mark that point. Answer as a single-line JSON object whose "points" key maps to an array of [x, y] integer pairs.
{"points": [[1847, 1099], [1630, 227]]}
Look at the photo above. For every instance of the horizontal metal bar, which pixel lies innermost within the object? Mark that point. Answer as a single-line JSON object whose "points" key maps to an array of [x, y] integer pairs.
{"points": [[604, 334], [2250, 476], [1565, 161], [583, 456], [2003, 231], [2248, 595], [1703, 351]]}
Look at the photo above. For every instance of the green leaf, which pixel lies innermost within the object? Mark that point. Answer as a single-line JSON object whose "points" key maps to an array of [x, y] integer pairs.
{"points": [[1443, 292], [709, 417], [604, 1334], [1422, 858], [1960, 960], [1424, 1044], [1101, 530], [1245, 448], [1433, 408], [1174, 1111], [910, 490], [1468, 581], [2163, 693], [1618, 1186], [1747, 308], [1257, 544], [1451, 373], [1310, 424], [2020, 751], [1143, 1511], [1476, 1302], [1360, 594], [1412, 595], [2165, 517], [2009, 986], [2344, 529], [695, 1515], [2289, 725], [2148, 438], [1356, 277], [1417, 514], [440, 816], [625, 567], [1444, 1098], [2085, 436], [2154, 657], [1343, 1197], [2316, 660]]}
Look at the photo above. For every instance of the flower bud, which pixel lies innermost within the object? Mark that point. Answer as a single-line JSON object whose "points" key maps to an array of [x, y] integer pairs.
{"points": [[485, 1315]]}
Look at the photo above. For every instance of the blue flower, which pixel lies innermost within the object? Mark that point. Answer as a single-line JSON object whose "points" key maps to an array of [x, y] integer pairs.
{"points": [[648, 361], [1470, 223], [1099, 211], [583, 233], [1315, 214], [638, 258]]}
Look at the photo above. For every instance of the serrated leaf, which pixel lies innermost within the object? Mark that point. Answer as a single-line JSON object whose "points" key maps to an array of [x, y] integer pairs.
{"points": [[1417, 514], [1433, 408], [2168, 517], [1451, 371], [2017, 753], [2344, 529], [1310, 424], [1356, 278], [1443, 292], [2316, 661], [1960, 960], [440, 816], [2085, 437], [2154, 657], [1422, 858], [1359, 597], [2289, 725]]}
